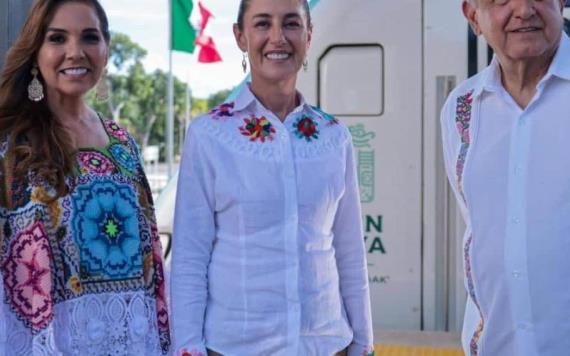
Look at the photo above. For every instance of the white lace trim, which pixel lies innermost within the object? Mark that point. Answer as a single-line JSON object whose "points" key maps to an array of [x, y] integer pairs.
{"points": [[97, 324]]}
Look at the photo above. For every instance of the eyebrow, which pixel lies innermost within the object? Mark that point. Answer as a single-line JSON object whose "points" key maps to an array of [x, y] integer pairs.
{"points": [[287, 16], [54, 29]]}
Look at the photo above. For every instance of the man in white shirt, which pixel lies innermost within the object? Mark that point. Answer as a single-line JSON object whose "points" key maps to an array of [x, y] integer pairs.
{"points": [[505, 136]]}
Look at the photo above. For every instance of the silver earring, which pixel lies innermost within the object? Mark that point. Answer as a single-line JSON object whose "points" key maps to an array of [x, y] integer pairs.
{"points": [[244, 63], [102, 92], [305, 64], [35, 88]]}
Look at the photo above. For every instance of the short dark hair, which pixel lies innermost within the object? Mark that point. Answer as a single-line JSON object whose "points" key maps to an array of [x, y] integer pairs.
{"points": [[244, 5]]}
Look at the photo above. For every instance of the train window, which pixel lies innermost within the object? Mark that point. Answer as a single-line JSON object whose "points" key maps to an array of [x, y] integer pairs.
{"points": [[351, 80]]}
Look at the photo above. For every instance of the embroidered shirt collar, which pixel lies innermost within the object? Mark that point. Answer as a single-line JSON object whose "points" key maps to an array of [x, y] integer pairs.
{"points": [[245, 98], [560, 67]]}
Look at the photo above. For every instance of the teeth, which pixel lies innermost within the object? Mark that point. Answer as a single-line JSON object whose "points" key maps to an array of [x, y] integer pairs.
{"points": [[277, 56], [75, 71]]}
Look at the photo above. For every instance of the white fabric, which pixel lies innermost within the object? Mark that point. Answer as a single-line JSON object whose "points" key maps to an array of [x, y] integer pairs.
{"points": [[97, 324], [516, 184], [268, 250]]}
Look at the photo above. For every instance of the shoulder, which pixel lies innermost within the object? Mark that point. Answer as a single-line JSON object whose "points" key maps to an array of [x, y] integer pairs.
{"points": [[466, 89], [331, 125]]}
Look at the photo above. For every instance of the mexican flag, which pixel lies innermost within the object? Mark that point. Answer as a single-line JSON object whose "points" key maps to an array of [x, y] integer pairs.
{"points": [[183, 33]]}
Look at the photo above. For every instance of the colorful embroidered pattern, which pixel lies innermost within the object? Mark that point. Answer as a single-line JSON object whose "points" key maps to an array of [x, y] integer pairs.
{"points": [[114, 130], [257, 129], [28, 277], [305, 127], [331, 120], [107, 230], [224, 110], [369, 351], [474, 344], [123, 156], [463, 122], [95, 163], [101, 230]]}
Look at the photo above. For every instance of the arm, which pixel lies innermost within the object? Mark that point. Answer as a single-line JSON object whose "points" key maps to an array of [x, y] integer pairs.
{"points": [[192, 244], [351, 261]]}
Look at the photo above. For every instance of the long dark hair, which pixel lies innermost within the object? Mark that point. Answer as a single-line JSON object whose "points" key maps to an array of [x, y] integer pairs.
{"points": [[37, 139]]}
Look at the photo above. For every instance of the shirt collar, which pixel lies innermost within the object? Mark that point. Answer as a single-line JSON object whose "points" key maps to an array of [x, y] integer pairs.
{"points": [[246, 98], [560, 67]]}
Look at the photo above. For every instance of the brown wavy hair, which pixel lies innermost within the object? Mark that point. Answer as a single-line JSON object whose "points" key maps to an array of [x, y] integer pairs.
{"points": [[38, 141]]}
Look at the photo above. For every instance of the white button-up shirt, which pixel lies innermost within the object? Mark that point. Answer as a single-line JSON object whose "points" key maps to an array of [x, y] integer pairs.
{"points": [[510, 171], [268, 250]]}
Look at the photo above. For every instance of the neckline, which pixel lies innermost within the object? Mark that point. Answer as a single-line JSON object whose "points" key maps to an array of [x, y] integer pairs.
{"points": [[110, 138]]}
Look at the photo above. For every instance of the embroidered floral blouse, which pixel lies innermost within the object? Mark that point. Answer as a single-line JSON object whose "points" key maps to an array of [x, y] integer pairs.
{"points": [[82, 274], [268, 254]]}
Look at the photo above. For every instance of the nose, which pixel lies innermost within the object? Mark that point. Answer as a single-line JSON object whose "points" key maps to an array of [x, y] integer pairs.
{"points": [[277, 35], [524, 9], [74, 50]]}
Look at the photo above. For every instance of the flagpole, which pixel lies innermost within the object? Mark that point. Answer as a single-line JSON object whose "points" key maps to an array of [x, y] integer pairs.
{"points": [[170, 118]]}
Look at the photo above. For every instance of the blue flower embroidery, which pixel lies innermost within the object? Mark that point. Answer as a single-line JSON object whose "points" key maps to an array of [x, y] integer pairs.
{"points": [[107, 230], [123, 156]]}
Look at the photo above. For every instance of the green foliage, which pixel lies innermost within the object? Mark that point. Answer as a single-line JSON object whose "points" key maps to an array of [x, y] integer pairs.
{"points": [[139, 100]]}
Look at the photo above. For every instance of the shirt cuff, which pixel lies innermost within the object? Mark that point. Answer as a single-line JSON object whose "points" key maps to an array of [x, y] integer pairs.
{"points": [[192, 351], [360, 350]]}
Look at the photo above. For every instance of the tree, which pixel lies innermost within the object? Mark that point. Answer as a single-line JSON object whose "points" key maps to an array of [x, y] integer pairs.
{"points": [[138, 100]]}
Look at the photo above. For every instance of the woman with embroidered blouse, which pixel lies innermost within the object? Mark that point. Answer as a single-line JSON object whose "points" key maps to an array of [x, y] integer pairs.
{"points": [[268, 250], [81, 260]]}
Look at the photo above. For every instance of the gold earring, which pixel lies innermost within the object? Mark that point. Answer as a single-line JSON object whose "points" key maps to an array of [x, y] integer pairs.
{"points": [[102, 91], [244, 63], [35, 88], [305, 64]]}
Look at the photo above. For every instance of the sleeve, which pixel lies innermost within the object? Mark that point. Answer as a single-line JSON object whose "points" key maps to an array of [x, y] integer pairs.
{"points": [[193, 237], [351, 261]]}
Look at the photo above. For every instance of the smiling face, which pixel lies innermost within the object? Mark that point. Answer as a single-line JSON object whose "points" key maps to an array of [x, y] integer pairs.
{"points": [[276, 35], [74, 52], [517, 29]]}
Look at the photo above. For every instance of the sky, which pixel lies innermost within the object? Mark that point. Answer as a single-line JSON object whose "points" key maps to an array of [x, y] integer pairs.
{"points": [[146, 22]]}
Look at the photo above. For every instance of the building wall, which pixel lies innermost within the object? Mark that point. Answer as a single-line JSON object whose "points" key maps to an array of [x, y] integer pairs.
{"points": [[12, 16]]}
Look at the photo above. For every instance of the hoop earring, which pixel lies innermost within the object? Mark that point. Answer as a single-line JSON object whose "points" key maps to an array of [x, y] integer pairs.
{"points": [[35, 88], [102, 91], [305, 64], [244, 63]]}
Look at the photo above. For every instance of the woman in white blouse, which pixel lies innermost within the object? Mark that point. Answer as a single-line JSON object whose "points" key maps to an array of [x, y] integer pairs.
{"points": [[268, 254]]}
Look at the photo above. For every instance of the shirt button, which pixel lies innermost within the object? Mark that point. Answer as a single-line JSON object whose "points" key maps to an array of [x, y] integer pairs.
{"points": [[516, 274], [516, 220], [283, 136], [517, 170]]}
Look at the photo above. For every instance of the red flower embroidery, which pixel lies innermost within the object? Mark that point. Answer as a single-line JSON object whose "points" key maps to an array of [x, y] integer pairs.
{"points": [[306, 128], [28, 278], [194, 352], [257, 129]]}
